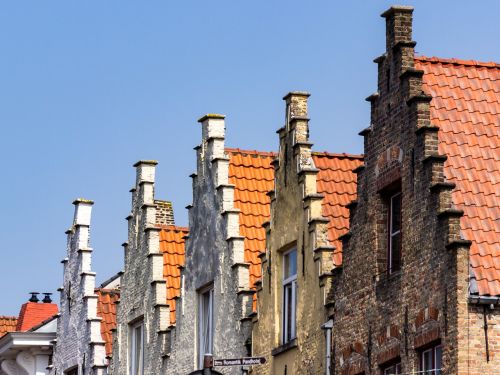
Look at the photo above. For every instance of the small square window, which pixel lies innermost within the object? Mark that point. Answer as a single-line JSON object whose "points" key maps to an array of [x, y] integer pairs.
{"points": [[136, 353], [289, 295]]}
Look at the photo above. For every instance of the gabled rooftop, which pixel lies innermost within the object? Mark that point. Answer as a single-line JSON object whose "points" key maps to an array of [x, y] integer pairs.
{"points": [[172, 246], [7, 324], [34, 313], [466, 108], [106, 310]]}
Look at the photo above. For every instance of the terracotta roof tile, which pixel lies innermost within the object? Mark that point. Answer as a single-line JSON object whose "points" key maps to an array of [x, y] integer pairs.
{"points": [[106, 309], [172, 245], [336, 181], [466, 107], [7, 324], [252, 175], [33, 313]]}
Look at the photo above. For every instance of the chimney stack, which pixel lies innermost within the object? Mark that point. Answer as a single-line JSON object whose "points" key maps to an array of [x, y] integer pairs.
{"points": [[47, 298], [34, 297], [398, 25]]}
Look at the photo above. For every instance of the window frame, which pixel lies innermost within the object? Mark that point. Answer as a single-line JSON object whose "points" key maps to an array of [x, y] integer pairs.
{"points": [[433, 351], [394, 367], [391, 234], [202, 294], [289, 283], [135, 360]]}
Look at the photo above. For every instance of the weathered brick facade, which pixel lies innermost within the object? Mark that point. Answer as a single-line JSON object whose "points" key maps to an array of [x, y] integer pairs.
{"points": [[383, 317]]}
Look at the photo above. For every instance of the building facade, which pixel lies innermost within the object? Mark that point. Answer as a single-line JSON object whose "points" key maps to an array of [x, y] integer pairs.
{"points": [[149, 283], [308, 214], [87, 313], [226, 235], [417, 289]]}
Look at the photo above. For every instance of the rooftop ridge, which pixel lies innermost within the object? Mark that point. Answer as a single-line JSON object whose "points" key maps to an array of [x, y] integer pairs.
{"points": [[8, 317], [250, 152], [173, 227], [454, 61], [337, 155]]}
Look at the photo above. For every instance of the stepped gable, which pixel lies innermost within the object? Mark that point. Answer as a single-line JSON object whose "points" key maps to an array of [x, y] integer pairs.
{"points": [[337, 182], [106, 310], [33, 313], [7, 324], [172, 246], [252, 175], [466, 106]]}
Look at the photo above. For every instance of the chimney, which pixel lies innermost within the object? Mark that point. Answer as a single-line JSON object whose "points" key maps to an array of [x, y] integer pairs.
{"points": [[164, 212], [47, 298], [34, 297], [398, 25]]}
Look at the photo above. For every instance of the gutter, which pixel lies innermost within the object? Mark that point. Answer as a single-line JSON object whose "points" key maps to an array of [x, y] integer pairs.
{"points": [[484, 300], [327, 327]]}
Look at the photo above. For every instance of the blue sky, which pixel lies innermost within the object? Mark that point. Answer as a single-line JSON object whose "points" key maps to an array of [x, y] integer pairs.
{"points": [[89, 87]]}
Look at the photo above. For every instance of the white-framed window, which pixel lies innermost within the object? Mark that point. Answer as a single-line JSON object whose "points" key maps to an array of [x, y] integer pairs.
{"points": [[289, 295], [430, 360], [394, 369], [136, 351], [394, 223], [205, 323]]}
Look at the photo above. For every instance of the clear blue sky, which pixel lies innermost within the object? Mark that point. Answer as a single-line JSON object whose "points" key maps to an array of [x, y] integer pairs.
{"points": [[89, 87]]}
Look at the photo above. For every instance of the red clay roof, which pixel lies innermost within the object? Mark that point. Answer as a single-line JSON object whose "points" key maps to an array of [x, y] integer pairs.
{"points": [[252, 175], [33, 313], [336, 181], [466, 107], [106, 309], [7, 324], [172, 245]]}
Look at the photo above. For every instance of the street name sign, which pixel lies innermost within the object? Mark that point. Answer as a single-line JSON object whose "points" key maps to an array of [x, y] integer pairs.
{"points": [[249, 361]]}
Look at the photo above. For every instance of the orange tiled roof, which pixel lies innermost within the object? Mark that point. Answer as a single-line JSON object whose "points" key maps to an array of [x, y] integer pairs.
{"points": [[172, 245], [466, 107], [33, 313], [7, 324], [252, 175], [106, 309], [336, 181]]}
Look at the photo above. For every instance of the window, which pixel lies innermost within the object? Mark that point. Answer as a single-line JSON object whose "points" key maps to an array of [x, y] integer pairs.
{"points": [[394, 222], [73, 371], [430, 360], [136, 348], [394, 369], [289, 295], [205, 323]]}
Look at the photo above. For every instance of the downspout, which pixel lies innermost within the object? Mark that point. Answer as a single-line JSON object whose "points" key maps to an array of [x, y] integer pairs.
{"points": [[328, 332]]}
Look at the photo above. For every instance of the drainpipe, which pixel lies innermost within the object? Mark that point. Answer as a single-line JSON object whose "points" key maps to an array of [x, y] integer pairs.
{"points": [[328, 332]]}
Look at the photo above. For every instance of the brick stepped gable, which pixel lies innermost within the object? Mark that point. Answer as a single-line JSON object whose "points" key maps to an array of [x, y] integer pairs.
{"points": [[466, 107]]}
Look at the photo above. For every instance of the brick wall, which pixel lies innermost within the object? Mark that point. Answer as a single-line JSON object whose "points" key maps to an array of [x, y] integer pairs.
{"points": [[381, 317]]}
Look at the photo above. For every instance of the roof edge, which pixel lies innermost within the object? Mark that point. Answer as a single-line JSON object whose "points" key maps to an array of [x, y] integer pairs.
{"points": [[251, 152], [454, 61]]}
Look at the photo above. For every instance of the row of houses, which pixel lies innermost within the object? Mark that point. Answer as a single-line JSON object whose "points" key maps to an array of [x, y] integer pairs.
{"points": [[309, 262]]}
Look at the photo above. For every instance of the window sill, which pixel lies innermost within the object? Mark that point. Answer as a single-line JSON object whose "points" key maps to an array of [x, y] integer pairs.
{"points": [[285, 347]]}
